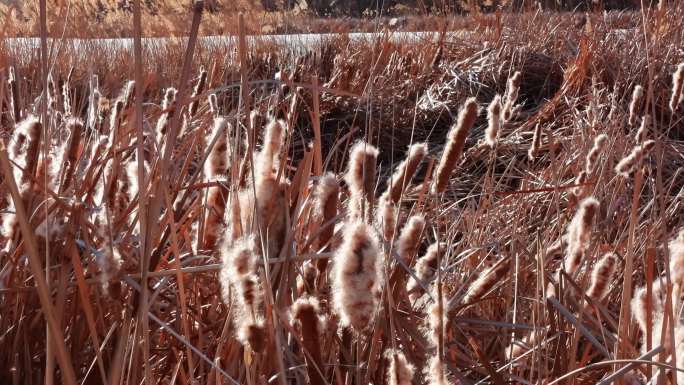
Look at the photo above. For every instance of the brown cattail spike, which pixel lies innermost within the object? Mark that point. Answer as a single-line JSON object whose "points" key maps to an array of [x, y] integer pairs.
{"points": [[677, 84], [360, 178], [602, 276], [629, 163], [355, 275], [199, 88], [400, 371], [578, 234], [410, 238], [512, 90], [404, 172], [494, 121], [425, 269], [486, 281], [454, 147], [327, 198], [595, 152], [634, 105], [536, 143]]}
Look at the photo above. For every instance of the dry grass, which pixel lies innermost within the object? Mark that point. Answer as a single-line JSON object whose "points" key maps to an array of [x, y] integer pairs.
{"points": [[282, 249]]}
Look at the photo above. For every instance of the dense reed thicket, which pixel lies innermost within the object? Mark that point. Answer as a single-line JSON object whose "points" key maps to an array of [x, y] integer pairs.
{"points": [[493, 207]]}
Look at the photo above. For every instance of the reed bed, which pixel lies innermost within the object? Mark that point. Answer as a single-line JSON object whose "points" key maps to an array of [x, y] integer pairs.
{"points": [[502, 207]]}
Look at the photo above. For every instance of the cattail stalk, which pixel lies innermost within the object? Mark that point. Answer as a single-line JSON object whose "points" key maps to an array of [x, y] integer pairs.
{"points": [[306, 315], [14, 89], [454, 147]]}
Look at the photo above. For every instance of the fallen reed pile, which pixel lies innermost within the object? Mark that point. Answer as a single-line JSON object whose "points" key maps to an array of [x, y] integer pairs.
{"points": [[465, 211]]}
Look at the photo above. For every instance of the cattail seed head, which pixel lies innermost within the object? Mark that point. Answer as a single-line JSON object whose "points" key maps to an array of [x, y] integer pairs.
{"points": [[273, 141], [494, 121], [435, 372], [578, 234], [677, 83], [360, 177], [199, 87], [454, 147], [634, 105], [405, 170], [400, 371], [639, 304], [437, 318], [213, 104], [512, 90], [629, 163], [425, 269], [595, 152], [355, 274], [486, 281], [536, 143], [410, 238], [602, 276], [327, 197], [386, 217], [676, 248], [642, 133]]}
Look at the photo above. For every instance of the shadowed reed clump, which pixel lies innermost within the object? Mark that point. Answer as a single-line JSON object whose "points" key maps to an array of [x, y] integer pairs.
{"points": [[454, 147]]}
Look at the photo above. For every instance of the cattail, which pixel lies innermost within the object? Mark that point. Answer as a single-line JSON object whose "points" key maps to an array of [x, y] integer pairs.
{"points": [[676, 248], [404, 172], [216, 167], [239, 275], [437, 318], [595, 152], [455, 142], [494, 119], [486, 281], [14, 89], [536, 143], [360, 177], [400, 371], [642, 133], [66, 95], [629, 163], [580, 180], [640, 306], [386, 217], [355, 275], [128, 92], [109, 262], [213, 105], [410, 237], [512, 90], [163, 122], [578, 234], [199, 88], [327, 197], [26, 149], [306, 316], [602, 276], [435, 372], [273, 141], [73, 146], [425, 269], [634, 105], [677, 82], [306, 281]]}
